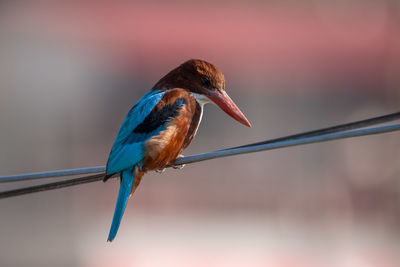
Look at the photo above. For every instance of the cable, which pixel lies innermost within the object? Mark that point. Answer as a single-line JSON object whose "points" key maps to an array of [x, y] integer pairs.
{"points": [[287, 143], [50, 174], [51, 186], [333, 129], [216, 154]]}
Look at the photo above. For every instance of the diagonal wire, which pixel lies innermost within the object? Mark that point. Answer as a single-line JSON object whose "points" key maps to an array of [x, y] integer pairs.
{"points": [[332, 129], [51, 186], [288, 143], [217, 154], [50, 174]]}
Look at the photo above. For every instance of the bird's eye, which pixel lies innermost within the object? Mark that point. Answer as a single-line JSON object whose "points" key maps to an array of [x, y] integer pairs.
{"points": [[205, 82]]}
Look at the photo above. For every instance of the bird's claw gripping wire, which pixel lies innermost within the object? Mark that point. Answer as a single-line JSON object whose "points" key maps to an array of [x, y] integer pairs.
{"points": [[172, 164], [178, 167], [326, 134]]}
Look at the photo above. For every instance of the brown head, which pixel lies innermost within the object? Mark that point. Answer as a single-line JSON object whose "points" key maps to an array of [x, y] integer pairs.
{"points": [[203, 79]]}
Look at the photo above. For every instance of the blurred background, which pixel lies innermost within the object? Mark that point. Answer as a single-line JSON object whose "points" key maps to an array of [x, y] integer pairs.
{"points": [[71, 70]]}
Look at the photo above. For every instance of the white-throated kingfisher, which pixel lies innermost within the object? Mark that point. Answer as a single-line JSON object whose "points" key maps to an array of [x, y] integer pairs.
{"points": [[162, 124]]}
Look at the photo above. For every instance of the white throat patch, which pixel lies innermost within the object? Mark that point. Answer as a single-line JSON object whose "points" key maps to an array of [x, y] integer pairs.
{"points": [[201, 99]]}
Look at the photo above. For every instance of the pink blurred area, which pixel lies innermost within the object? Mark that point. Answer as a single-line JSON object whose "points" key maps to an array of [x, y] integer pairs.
{"points": [[356, 37], [70, 71]]}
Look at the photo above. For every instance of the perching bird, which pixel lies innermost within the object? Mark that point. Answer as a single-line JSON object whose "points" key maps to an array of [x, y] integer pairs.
{"points": [[162, 124]]}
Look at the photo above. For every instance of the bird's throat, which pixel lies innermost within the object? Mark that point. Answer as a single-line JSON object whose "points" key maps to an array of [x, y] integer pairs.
{"points": [[201, 99]]}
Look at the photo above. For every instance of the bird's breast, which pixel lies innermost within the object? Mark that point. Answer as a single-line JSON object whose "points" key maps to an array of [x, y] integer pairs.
{"points": [[180, 128]]}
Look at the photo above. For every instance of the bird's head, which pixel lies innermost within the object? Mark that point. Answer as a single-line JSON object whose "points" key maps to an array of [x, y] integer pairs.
{"points": [[206, 83]]}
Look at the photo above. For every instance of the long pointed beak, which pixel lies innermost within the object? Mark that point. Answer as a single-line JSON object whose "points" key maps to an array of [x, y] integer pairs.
{"points": [[222, 99]]}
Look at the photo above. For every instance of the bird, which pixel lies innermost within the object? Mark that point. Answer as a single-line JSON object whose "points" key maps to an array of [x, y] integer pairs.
{"points": [[162, 124]]}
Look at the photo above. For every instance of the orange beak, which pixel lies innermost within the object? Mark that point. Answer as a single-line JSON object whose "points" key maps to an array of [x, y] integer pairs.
{"points": [[222, 100]]}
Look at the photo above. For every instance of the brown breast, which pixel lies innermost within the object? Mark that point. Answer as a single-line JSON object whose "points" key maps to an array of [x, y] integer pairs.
{"points": [[163, 148]]}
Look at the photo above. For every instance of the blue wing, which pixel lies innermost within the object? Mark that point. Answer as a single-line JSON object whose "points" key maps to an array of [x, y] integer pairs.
{"points": [[142, 122], [128, 149]]}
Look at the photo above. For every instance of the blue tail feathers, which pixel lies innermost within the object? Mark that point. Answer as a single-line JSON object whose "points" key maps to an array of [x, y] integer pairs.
{"points": [[127, 177]]}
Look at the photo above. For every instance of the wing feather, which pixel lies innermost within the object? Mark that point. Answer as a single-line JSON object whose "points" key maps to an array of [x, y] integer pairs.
{"points": [[128, 150], [146, 119]]}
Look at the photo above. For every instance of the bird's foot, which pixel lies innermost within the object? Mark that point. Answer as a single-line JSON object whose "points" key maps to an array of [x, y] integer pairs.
{"points": [[161, 170], [178, 167]]}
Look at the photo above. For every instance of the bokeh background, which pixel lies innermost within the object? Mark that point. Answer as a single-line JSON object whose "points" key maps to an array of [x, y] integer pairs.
{"points": [[70, 71]]}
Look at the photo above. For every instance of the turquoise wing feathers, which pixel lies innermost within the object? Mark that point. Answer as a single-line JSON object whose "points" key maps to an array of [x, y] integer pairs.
{"points": [[128, 149], [142, 123]]}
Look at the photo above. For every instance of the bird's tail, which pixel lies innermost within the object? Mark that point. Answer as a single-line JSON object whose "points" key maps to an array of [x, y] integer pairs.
{"points": [[127, 177]]}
